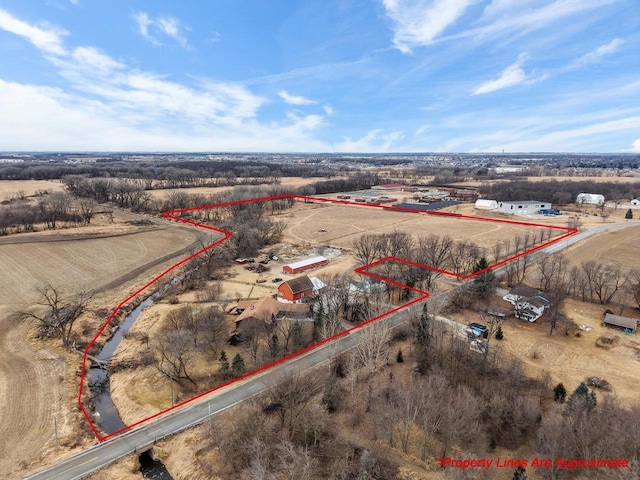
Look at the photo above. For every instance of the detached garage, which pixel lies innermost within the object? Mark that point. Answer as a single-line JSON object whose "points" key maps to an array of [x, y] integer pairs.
{"points": [[303, 265], [627, 324]]}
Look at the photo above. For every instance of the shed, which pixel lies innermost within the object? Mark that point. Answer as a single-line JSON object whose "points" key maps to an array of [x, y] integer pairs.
{"points": [[486, 204], [303, 265], [623, 323], [295, 289], [590, 198]]}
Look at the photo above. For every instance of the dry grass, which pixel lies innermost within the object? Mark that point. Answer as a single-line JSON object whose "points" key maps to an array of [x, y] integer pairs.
{"points": [[10, 188]]}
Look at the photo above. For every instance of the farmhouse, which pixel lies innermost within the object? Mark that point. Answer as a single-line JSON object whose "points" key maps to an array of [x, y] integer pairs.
{"points": [[486, 204], [590, 198], [296, 289], [265, 311], [627, 324], [527, 207], [303, 265], [529, 304]]}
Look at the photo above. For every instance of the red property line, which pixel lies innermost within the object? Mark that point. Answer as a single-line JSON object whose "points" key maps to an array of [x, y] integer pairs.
{"points": [[171, 214]]}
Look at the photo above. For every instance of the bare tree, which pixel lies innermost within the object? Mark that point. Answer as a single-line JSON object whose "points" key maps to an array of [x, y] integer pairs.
{"points": [[174, 355], [60, 314], [372, 352], [86, 207], [291, 398]]}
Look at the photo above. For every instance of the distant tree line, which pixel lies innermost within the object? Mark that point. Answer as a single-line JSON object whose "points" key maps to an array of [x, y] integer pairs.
{"points": [[173, 174]]}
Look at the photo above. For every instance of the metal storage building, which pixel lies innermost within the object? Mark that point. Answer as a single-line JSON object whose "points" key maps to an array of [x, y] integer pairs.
{"points": [[303, 265], [486, 204], [590, 198], [528, 207]]}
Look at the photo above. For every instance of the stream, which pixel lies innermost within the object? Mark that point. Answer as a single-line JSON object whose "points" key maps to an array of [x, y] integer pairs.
{"points": [[108, 418]]}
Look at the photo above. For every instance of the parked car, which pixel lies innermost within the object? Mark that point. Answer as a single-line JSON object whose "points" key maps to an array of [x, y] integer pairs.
{"points": [[276, 280], [477, 330], [265, 261]]}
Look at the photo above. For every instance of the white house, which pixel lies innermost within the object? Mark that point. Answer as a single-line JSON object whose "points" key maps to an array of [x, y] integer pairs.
{"points": [[526, 207], [529, 304], [590, 198]]}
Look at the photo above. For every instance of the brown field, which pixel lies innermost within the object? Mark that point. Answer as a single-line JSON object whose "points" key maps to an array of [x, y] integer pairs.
{"points": [[621, 246], [344, 224], [285, 182], [75, 264], [10, 188], [37, 379]]}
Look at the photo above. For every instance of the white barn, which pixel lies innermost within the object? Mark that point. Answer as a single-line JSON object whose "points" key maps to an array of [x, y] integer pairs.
{"points": [[485, 204], [526, 207], [590, 198]]}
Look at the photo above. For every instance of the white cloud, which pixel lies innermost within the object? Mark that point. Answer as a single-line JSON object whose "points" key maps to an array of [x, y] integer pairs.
{"points": [[636, 146], [110, 106], [294, 99], [75, 2], [595, 55], [514, 18], [509, 77], [44, 37], [169, 26], [373, 141], [328, 109], [419, 22], [421, 129]]}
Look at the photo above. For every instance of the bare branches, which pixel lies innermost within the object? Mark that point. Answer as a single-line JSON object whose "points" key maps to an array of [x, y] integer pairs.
{"points": [[60, 312]]}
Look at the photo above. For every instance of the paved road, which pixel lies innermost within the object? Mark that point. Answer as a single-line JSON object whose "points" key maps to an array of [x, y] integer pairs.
{"points": [[142, 437]]}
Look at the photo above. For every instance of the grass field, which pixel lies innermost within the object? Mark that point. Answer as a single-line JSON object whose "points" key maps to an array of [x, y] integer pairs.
{"points": [[345, 224], [10, 188]]}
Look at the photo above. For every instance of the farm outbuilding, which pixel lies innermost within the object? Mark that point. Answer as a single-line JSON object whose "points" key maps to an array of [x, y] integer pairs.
{"points": [[486, 204], [527, 207], [627, 324], [295, 289], [635, 202], [590, 199], [303, 265]]}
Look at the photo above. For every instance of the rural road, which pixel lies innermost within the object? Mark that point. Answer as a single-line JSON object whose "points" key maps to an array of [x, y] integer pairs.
{"points": [[142, 437]]}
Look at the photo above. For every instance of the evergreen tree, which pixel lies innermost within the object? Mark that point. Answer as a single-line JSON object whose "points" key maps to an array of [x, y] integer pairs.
{"points": [[559, 393], [237, 365], [499, 333], [399, 357], [629, 214], [422, 331], [581, 400], [223, 362], [274, 346], [484, 283], [520, 474]]}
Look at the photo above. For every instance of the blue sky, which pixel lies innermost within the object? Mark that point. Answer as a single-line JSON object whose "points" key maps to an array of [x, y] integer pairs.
{"points": [[320, 75]]}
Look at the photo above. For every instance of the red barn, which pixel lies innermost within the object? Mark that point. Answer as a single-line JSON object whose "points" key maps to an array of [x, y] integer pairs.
{"points": [[303, 265], [295, 289]]}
